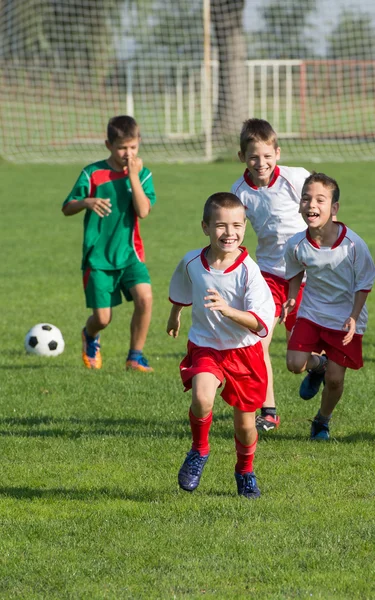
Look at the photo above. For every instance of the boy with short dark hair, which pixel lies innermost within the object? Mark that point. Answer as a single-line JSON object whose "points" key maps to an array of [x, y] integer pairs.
{"points": [[232, 309], [270, 195], [115, 193], [332, 316]]}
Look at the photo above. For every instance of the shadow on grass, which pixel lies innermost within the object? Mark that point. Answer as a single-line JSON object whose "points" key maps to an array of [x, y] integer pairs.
{"points": [[75, 428], [106, 493]]}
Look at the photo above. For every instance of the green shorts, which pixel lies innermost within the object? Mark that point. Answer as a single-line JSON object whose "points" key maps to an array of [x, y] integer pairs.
{"points": [[103, 288]]}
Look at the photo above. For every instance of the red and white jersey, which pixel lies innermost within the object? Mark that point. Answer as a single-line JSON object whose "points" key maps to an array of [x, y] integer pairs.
{"points": [[273, 212], [333, 276], [242, 287]]}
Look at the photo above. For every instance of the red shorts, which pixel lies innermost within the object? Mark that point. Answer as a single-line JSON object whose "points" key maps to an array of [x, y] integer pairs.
{"points": [[280, 288], [310, 337], [243, 369]]}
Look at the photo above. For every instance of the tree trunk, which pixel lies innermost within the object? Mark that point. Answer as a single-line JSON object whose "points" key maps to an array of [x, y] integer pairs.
{"points": [[226, 17]]}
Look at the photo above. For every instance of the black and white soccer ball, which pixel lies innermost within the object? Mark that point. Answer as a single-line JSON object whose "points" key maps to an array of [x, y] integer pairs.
{"points": [[44, 339]]}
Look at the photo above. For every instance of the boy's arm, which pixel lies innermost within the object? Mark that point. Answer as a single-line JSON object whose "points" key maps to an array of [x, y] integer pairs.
{"points": [[101, 206], [141, 202], [173, 325], [350, 323], [241, 317], [294, 286]]}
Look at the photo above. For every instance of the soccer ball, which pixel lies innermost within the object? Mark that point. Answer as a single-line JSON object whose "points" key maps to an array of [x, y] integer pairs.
{"points": [[44, 339]]}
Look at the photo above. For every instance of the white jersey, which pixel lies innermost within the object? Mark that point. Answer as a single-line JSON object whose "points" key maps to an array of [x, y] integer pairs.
{"points": [[333, 276], [242, 287], [273, 212]]}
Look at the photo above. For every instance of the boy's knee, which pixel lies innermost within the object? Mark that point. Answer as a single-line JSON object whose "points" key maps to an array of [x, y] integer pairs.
{"points": [[103, 321], [333, 381], [294, 366], [143, 299]]}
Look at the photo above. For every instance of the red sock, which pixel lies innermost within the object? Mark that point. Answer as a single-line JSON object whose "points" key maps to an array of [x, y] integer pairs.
{"points": [[200, 429], [245, 457]]}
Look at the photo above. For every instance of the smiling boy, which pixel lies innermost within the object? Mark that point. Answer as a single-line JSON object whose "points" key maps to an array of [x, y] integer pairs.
{"points": [[232, 310], [270, 195], [332, 316]]}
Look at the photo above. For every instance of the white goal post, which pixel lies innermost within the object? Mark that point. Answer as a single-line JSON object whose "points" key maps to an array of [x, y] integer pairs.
{"points": [[190, 72]]}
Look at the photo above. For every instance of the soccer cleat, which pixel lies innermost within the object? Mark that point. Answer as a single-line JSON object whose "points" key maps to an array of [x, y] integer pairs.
{"points": [[313, 380], [190, 473], [267, 423], [140, 364], [91, 356], [319, 430], [247, 485]]}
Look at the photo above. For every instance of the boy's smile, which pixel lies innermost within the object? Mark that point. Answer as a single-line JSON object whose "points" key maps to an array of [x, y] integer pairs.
{"points": [[260, 159], [226, 230], [316, 205]]}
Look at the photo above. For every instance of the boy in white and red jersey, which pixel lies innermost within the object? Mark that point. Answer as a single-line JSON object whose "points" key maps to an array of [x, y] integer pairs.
{"points": [[271, 196], [232, 309], [115, 193], [332, 316]]}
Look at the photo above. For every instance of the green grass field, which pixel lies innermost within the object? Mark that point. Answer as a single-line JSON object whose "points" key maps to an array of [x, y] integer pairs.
{"points": [[89, 502]]}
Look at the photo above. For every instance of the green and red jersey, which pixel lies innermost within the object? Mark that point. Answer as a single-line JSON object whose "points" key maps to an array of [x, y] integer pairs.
{"points": [[109, 241]]}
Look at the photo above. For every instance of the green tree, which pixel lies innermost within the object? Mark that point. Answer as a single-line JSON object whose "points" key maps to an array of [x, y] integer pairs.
{"points": [[352, 38], [284, 33]]}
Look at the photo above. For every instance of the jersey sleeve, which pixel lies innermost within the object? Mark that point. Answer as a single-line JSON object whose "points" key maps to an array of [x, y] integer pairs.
{"points": [[292, 264], [81, 188], [364, 269], [180, 287], [259, 301], [148, 185]]}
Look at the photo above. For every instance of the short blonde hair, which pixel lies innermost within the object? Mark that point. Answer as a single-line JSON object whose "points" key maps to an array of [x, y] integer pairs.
{"points": [[257, 130]]}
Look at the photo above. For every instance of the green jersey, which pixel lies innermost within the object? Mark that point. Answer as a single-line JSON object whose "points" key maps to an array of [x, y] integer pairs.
{"points": [[109, 241]]}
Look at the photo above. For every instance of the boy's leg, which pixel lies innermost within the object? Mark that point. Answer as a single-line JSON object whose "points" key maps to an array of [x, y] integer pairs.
{"points": [[268, 418], [316, 376], [332, 392], [204, 386], [99, 320], [140, 323], [246, 437]]}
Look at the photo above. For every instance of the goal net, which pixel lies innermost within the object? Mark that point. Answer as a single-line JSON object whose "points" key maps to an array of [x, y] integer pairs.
{"points": [[190, 72]]}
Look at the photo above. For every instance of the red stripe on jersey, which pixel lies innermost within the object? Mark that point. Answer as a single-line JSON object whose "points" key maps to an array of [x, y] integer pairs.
{"points": [[238, 261], [137, 240], [102, 176]]}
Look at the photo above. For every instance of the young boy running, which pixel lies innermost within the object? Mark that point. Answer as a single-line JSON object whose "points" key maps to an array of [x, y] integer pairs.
{"points": [[270, 195], [332, 315], [115, 193], [232, 308]]}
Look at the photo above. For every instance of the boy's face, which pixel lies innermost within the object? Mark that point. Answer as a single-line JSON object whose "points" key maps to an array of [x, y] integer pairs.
{"points": [[316, 205], [121, 150], [260, 159], [226, 229]]}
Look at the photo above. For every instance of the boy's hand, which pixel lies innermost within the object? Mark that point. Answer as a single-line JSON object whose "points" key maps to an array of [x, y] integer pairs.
{"points": [[348, 326], [135, 165], [173, 325], [100, 206], [216, 302], [286, 308]]}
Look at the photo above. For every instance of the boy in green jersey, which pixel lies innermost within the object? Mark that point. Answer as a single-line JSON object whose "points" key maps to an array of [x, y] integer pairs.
{"points": [[115, 193]]}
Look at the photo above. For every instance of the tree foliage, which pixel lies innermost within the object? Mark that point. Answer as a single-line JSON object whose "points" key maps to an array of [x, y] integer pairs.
{"points": [[284, 33], [352, 38]]}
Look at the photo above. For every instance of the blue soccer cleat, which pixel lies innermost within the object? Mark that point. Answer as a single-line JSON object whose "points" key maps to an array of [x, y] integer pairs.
{"points": [[313, 380], [319, 431], [247, 485], [190, 473]]}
